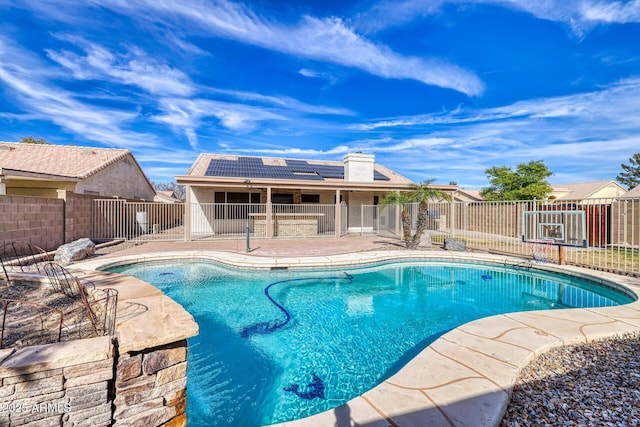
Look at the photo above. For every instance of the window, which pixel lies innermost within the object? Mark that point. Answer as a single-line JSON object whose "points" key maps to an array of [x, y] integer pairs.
{"points": [[285, 199], [310, 198], [224, 197]]}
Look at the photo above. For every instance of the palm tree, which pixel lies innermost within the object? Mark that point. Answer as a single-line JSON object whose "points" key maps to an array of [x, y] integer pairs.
{"points": [[421, 194]]}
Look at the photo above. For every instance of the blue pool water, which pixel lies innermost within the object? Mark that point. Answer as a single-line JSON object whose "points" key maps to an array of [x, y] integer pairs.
{"points": [[336, 335]]}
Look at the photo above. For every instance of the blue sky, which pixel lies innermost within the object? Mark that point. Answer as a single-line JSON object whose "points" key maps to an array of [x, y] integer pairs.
{"points": [[438, 89]]}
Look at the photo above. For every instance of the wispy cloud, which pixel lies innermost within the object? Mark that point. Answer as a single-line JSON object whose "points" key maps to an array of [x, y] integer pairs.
{"points": [[322, 39], [284, 102], [132, 67], [579, 15], [568, 132], [24, 76], [187, 115]]}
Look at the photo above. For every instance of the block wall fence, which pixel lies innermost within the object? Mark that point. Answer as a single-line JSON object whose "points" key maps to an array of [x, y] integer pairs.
{"points": [[45, 222]]}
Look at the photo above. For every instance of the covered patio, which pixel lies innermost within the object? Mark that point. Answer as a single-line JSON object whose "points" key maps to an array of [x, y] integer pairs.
{"points": [[284, 198]]}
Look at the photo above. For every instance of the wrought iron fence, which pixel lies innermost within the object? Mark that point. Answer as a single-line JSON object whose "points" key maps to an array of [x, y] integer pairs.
{"points": [[121, 219], [611, 228], [211, 221]]}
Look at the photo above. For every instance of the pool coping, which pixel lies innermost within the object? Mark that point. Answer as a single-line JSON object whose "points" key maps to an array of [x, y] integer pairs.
{"points": [[465, 377]]}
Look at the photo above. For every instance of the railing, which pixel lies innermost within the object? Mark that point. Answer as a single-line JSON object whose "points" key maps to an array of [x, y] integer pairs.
{"points": [[120, 219], [611, 229], [212, 221], [344, 219]]}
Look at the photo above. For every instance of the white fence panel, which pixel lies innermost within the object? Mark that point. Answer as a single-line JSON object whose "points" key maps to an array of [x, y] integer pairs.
{"points": [[226, 220], [120, 219]]}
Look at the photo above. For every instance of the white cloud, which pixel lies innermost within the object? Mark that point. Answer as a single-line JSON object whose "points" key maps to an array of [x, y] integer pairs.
{"points": [[134, 68], [284, 102], [328, 39], [25, 77], [579, 15]]}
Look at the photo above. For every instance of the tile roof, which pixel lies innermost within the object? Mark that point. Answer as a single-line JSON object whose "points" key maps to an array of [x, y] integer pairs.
{"points": [[581, 190], [202, 163], [61, 160], [474, 194], [633, 193]]}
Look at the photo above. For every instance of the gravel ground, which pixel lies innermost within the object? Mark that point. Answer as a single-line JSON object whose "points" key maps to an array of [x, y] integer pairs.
{"points": [[594, 384]]}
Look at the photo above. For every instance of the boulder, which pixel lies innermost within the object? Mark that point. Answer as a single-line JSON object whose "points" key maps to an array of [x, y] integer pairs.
{"points": [[425, 241], [455, 245], [74, 251]]}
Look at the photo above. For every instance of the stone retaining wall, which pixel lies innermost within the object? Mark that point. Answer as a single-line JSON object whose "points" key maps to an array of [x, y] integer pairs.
{"points": [[151, 387], [86, 383], [59, 384]]}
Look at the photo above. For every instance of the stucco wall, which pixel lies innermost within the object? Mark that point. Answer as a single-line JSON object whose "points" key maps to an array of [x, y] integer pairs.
{"points": [[122, 179]]}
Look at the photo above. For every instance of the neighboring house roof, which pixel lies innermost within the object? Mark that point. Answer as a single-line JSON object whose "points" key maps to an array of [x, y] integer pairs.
{"points": [[58, 160], [633, 193], [220, 169], [166, 196], [471, 195], [581, 190]]}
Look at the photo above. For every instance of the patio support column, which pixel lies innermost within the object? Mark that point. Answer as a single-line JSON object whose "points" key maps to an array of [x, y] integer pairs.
{"points": [[398, 221], [269, 215], [338, 214], [187, 215]]}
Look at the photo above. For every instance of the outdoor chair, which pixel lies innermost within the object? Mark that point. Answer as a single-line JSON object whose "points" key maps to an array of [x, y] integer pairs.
{"points": [[21, 257], [24, 323], [99, 305]]}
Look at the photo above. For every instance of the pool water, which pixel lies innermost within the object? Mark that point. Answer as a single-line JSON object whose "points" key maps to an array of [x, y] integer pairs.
{"points": [[346, 333]]}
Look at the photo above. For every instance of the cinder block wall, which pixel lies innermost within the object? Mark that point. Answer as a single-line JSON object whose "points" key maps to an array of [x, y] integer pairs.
{"points": [[36, 220], [78, 215]]}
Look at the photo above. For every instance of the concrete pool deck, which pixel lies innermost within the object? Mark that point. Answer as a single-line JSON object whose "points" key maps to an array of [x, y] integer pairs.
{"points": [[464, 378]]}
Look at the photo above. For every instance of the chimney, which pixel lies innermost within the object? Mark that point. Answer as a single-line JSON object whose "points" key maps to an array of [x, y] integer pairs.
{"points": [[358, 167]]}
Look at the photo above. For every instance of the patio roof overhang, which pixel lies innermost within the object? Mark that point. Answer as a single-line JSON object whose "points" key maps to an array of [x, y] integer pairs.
{"points": [[326, 185]]}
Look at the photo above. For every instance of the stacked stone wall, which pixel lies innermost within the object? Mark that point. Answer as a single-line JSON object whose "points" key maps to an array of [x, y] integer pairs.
{"points": [[58, 385], [151, 387], [83, 383]]}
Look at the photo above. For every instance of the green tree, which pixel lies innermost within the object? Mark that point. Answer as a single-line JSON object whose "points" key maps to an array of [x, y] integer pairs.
{"points": [[421, 194], [631, 172], [33, 140], [527, 182]]}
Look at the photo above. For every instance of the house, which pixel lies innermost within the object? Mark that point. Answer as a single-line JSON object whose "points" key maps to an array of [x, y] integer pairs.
{"points": [[468, 196], [43, 169], [634, 193], [586, 192], [320, 197], [166, 196]]}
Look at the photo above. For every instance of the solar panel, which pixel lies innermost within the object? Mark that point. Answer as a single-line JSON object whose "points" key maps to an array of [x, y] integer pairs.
{"points": [[254, 167]]}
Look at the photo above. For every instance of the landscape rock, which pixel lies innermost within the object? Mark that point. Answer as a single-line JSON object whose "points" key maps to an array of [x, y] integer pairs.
{"points": [[425, 241], [75, 251], [455, 245]]}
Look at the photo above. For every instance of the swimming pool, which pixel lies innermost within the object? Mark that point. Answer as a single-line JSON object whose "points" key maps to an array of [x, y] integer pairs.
{"points": [[347, 332]]}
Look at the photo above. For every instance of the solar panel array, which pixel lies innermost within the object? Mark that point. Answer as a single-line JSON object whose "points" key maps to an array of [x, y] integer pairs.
{"points": [[253, 167]]}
